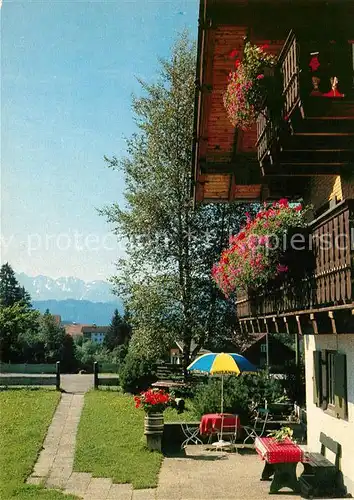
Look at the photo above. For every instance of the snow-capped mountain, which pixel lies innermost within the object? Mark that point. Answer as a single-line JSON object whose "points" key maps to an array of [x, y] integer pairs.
{"points": [[46, 288]]}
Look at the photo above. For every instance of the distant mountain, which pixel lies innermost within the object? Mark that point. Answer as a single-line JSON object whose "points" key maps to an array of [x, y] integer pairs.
{"points": [[80, 311], [46, 288]]}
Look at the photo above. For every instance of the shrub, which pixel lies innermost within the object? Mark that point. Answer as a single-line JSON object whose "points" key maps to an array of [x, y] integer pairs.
{"points": [[241, 394], [137, 374], [208, 397]]}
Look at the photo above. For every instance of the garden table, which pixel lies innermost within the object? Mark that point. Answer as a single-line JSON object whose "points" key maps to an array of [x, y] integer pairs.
{"points": [[211, 422], [280, 459]]}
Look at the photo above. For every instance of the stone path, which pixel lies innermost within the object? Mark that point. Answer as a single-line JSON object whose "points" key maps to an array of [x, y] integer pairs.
{"points": [[54, 467]]}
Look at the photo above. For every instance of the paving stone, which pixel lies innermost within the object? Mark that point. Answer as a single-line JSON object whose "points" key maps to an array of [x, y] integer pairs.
{"points": [[37, 481], [146, 494], [56, 482], [78, 483], [120, 492], [98, 489]]}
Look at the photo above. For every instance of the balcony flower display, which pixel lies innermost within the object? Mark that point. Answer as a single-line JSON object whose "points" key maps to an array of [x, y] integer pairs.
{"points": [[255, 255], [245, 90], [153, 401]]}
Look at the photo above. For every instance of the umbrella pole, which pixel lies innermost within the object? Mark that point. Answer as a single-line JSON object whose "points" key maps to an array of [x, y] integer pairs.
{"points": [[222, 404], [222, 393]]}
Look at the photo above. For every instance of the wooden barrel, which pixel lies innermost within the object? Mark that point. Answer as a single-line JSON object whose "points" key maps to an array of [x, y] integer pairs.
{"points": [[153, 423]]}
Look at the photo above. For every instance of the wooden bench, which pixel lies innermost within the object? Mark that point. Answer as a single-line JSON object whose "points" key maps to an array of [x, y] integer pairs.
{"points": [[320, 476]]}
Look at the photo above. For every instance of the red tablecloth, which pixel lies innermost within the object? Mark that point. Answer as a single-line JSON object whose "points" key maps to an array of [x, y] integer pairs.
{"points": [[211, 423], [274, 453]]}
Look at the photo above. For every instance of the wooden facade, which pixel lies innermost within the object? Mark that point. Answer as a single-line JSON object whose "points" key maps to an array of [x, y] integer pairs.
{"points": [[302, 147], [226, 165]]}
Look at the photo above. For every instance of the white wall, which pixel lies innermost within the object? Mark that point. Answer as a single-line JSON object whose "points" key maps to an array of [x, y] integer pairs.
{"points": [[318, 421]]}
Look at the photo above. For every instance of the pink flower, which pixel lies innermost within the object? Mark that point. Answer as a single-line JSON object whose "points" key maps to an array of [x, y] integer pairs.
{"points": [[260, 77], [298, 208], [233, 54], [283, 203], [282, 269]]}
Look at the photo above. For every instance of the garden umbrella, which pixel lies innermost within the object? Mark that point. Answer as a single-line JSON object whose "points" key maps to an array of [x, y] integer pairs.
{"points": [[222, 364]]}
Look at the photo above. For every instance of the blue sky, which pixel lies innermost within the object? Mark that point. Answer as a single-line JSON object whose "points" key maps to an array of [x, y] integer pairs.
{"points": [[69, 69]]}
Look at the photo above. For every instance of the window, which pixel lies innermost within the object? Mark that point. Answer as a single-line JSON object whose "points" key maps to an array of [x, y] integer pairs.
{"points": [[330, 357], [330, 382]]}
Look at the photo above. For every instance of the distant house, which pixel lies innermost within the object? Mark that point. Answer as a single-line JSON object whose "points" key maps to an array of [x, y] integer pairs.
{"points": [[88, 332], [279, 354], [176, 352], [95, 333], [74, 329]]}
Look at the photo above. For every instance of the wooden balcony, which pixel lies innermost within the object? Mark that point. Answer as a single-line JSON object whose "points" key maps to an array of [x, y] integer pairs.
{"points": [[323, 300], [306, 127]]}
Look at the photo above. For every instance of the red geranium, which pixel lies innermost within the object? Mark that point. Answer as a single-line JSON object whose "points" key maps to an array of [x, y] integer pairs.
{"points": [[245, 93], [254, 254], [153, 400]]}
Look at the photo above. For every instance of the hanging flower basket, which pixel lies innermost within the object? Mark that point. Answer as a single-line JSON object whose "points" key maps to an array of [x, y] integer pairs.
{"points": [[255, 256], [245, 91]]}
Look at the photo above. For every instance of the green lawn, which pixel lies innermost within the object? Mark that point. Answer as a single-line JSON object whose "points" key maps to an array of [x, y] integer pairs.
{"points": [[111, 443], [25, 416]]}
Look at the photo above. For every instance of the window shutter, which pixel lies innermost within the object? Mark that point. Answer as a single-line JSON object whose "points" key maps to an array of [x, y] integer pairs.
{"points": [[317, 378], [340, 385]]}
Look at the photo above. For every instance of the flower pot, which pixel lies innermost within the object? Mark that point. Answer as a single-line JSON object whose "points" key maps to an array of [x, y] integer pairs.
{"points": [[153, 430]]}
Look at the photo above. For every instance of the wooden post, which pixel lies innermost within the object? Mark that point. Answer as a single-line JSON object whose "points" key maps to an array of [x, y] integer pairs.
{"points": [[314, 324], [95, 375], [333, 321], [57, 376], [267, 344]]}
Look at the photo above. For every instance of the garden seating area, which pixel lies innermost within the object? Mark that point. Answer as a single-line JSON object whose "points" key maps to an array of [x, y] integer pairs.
{"points": [[111, 449]]}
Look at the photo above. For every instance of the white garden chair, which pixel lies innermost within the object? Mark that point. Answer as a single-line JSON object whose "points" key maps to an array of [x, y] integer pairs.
{"points": [[259, 425]]}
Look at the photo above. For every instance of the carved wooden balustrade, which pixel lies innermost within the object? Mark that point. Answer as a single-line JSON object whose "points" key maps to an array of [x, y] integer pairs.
{"points": [[307, 124], [330, 285]]}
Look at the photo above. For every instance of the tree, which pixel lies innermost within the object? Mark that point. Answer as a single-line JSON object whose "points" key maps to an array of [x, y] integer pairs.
{"points": [[118, 333], [58, 346], [10, 290], [165, 278], [18, 323]]}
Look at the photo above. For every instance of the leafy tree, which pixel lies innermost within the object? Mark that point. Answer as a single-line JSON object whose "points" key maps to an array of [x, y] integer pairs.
{"points": [[165, 278], [18, 323], [58, 346], [118, 333], [10, 290]]}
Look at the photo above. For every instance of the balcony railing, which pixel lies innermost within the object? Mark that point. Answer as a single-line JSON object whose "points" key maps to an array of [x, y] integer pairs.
{"points": [[332, 281], [307, 124]]}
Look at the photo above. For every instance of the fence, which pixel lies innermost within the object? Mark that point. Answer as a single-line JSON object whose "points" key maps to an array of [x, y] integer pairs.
{"points": [[101, 381], [169, 371], [30, 375], [27, 368]]}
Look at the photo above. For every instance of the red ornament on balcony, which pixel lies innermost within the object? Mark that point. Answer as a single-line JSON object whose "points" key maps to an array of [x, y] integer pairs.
{"points": [[314, 63], [334, 92]]}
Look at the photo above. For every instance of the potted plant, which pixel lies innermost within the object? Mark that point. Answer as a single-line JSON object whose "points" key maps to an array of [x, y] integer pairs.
{"points": [[153, 402], [246, 91], [255, 256]]}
